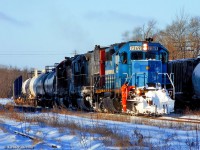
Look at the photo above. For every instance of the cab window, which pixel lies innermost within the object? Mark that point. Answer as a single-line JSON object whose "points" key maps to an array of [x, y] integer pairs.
{"points": [[136, 55], [124, 58], [109, 54], [150, 55], [163, 57]]}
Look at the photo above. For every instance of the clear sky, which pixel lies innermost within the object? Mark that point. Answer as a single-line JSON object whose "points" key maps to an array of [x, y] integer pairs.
{"points": [[37, 33]]}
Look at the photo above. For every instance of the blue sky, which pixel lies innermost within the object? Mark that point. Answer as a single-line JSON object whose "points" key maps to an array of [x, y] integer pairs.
{"points": [[37, 33]]}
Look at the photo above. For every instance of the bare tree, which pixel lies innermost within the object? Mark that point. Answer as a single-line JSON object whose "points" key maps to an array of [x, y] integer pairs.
{"points": [[137, 34], [182, 37], [141, 32], [150, 29], [194, 35], [8, 75]]}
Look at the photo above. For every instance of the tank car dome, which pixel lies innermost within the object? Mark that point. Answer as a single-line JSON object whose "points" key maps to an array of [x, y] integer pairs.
{"points": [[196, 80]]}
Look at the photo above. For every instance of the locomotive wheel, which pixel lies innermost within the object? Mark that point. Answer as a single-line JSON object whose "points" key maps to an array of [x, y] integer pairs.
{"points": [[117, 104], [131, 107], [108, 104], [101, 107]]}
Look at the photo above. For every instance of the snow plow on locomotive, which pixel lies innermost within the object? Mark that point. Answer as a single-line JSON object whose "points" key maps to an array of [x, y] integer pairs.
{"points": [[93, 81]]}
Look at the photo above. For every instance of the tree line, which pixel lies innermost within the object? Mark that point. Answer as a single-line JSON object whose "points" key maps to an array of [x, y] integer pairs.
{"points": [[181, 37], [7, 76]]}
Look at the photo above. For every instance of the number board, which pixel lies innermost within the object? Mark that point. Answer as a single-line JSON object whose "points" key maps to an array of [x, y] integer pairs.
{"points": [[133, 48], [139, 48]]}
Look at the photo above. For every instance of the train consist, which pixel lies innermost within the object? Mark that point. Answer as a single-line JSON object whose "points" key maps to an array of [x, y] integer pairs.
{"points": [[93, 81]]}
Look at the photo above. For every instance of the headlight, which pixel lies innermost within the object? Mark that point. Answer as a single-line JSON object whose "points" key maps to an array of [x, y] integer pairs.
{"points": [[145, 46], [139, 92]]}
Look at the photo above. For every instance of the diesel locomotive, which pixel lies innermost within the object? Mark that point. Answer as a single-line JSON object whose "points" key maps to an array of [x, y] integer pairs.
{"points": [[93, 81]]}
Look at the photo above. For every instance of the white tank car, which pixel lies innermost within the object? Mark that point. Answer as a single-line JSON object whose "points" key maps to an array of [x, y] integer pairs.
{"points": [[196, 81], [32, 88], [25, 87]]}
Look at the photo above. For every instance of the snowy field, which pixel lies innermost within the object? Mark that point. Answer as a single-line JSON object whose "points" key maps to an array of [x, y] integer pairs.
{"points": [[82, 133]]}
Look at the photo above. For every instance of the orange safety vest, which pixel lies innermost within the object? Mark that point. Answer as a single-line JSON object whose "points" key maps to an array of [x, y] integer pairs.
{"points": [[125, 89]]}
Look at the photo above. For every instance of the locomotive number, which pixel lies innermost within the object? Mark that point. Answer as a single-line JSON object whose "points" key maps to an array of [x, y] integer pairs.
{"points": [[153, 48], [135, 47]]}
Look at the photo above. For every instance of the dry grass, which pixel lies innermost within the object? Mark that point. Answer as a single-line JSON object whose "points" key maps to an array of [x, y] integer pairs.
{"points": [[109, 136]]}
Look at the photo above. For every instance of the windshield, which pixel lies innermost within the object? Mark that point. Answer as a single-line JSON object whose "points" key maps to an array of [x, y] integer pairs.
{"points": [[136, 55], [150, 55], [147, 55]]}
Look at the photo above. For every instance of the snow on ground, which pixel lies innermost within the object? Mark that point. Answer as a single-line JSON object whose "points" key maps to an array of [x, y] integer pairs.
{"points": [[43, 136], [5, 101]]}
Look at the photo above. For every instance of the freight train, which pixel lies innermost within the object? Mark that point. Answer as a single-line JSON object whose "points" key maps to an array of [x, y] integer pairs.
{"points": [[93, 81]]}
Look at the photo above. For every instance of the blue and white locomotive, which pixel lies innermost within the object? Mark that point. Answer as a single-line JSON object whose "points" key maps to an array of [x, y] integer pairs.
{"points": [[144, 65]]}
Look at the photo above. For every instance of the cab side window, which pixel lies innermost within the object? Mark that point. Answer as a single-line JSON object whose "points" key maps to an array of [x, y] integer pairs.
{"points": [[163, 57], [124, 58]]}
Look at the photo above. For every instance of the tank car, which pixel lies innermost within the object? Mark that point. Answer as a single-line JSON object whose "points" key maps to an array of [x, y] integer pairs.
{"points": [[196, 80], [25, 87]]}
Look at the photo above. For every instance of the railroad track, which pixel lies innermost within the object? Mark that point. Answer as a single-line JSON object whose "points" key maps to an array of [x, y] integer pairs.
{"points": [[176, 118], [184, 119]]}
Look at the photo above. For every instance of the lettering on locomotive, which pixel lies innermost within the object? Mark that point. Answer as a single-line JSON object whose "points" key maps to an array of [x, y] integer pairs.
{"points": [[135, 48], [139, 48]]}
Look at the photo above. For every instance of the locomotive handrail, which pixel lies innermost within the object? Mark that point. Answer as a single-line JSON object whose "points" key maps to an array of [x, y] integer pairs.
{"points": [[169, 77]]}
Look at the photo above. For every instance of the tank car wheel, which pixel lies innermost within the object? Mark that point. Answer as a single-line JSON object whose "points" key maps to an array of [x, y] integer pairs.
{"points": [[35, 104]]}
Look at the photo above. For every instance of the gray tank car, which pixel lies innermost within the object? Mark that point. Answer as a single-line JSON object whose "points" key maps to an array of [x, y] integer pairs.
{"points": [[196, 81]]}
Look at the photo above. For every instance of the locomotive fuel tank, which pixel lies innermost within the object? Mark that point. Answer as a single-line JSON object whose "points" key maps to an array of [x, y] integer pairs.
{"points": [[196, 81]]}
